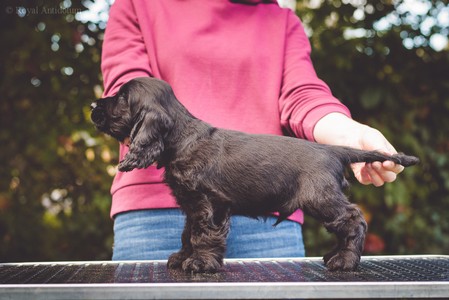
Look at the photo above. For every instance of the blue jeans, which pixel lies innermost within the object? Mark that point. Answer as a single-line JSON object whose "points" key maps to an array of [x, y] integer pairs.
{"points": [[155, 234]]}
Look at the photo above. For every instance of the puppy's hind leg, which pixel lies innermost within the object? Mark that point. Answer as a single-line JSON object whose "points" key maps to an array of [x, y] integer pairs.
{"points": [[350, 229], [345, 220]]}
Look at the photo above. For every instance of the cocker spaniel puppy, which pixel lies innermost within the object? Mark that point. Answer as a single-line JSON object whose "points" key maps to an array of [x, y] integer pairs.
{"points": [[214, 173]]}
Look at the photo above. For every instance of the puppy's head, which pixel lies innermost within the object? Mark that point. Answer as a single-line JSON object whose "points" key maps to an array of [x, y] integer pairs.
{"points": [[112, 116], [140, 111]]}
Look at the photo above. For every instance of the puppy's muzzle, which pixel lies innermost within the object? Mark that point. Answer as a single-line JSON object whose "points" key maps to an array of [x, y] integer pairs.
{"points": [[98, 114]]}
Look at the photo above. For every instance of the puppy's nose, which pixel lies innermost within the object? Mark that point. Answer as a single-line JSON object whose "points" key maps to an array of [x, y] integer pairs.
{"points": [[97, 114]]}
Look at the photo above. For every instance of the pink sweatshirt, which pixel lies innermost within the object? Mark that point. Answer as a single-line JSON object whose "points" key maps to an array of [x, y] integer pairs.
{"points": [[242, 66]]}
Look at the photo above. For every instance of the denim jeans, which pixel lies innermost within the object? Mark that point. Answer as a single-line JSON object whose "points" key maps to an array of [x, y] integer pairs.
{"points": [[155, 234]]}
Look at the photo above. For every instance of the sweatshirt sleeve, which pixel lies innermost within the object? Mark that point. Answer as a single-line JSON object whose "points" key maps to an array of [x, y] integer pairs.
{"points": [[124, 55], [304, 98]]}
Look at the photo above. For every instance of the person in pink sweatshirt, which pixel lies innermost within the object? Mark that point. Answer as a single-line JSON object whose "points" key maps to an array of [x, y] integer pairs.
{"points": [[236, 64]]}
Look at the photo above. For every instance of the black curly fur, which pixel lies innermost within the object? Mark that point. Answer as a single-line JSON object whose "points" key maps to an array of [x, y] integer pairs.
{"points": [[214, 173]]}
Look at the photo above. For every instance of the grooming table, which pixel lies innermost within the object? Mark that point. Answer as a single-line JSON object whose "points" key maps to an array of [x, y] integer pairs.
{"points": [[376, 277]]}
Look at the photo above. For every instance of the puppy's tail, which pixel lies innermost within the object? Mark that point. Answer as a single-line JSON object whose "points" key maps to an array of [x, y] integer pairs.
{"points": [[349, 155]]}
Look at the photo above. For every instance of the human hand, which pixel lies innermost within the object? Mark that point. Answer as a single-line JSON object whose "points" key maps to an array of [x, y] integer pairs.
{"points": [[376, 173], [338, 129]]}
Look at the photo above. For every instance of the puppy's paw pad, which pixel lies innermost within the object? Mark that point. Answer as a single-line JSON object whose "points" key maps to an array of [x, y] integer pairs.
{"points": [[200, 265], [175, 260], [329, 255], [343, 261]]}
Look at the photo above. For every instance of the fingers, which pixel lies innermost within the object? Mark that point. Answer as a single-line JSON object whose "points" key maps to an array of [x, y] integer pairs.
{"points": [[375, 175], [378, 173], [361, 173], [391, 166]]}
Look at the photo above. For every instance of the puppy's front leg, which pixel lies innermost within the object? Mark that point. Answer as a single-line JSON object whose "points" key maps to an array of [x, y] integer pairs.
{"points": [[210, 227], [176, 259]]}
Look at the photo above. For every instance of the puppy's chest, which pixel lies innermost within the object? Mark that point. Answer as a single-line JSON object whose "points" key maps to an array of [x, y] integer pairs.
{"points": [[185, 175]]}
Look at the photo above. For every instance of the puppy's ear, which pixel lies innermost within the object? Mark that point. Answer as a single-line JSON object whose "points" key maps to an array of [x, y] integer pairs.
{"points": [[147, 140]]}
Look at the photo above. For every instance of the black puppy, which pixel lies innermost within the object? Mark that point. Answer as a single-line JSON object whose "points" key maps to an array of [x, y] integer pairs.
{"points": [[214, 173]]}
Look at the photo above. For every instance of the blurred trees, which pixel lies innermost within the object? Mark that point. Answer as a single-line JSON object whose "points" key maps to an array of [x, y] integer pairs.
{"points": [[379, 58], [55, 175]]}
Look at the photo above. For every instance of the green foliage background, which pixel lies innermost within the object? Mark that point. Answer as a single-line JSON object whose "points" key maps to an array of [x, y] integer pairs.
{"points": [[56, 169]]}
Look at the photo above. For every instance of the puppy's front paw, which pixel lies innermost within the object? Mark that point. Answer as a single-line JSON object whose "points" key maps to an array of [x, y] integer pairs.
{"points": [[176, 259], [199, 264], [344, 260]]}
